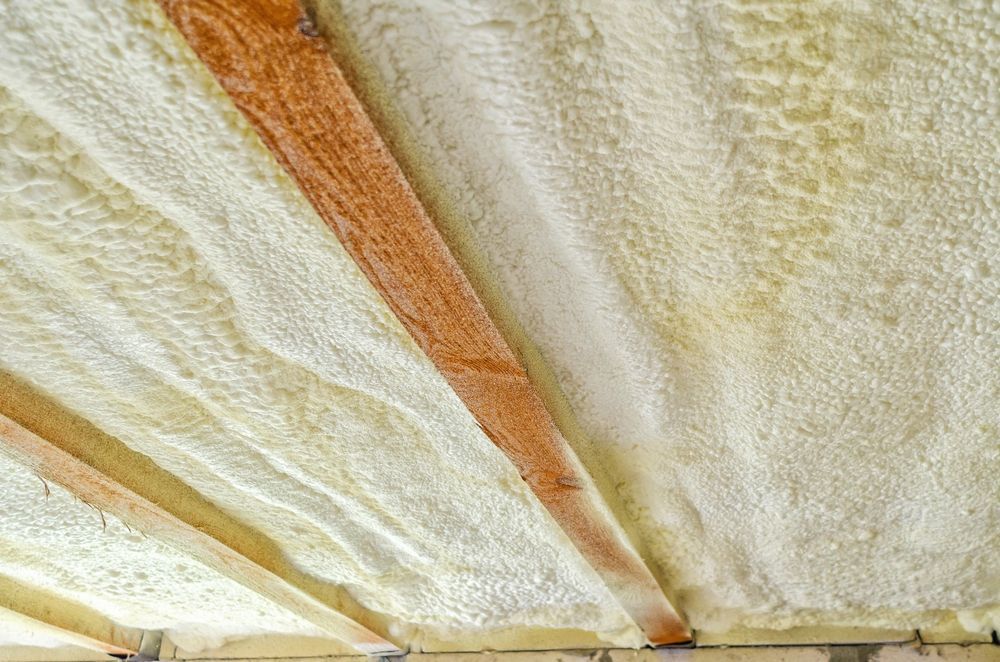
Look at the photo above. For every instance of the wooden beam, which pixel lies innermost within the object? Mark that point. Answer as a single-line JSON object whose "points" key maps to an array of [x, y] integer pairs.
{"points": [[74, 623], [268, 56], [90, 485]]}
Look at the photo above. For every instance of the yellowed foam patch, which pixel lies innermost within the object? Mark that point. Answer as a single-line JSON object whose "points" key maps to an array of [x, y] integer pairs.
{"points": [[758, 244]]}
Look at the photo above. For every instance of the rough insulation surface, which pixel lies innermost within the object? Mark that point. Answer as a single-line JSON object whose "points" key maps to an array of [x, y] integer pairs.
{"points": [[758, 245], [164, 279]]}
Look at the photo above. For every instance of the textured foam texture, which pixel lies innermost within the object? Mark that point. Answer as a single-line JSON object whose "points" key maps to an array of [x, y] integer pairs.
{"points": [[52, 541], [758, 245], [163, 278]]}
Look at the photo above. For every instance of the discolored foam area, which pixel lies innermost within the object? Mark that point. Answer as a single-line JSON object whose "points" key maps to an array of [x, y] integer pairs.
{"points": [[757, 245]]}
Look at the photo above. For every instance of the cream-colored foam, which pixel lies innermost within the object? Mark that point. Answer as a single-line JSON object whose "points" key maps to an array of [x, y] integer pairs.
{"points": [[51, 541], [18, 630], [758, 245], [163, 278], [24, 639]]}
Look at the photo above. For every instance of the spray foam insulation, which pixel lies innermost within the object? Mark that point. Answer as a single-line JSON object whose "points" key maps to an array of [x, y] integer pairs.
{"points": [[755, 243], [165, 280]]}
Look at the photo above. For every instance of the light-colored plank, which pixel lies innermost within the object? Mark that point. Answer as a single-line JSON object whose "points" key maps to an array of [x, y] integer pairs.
{"points": [[935, 653], [20, 653], [872, 653], [512, 639], [804, 654], [93, 487], [76, 625], [262, 646], [951, 631], [803, 636], [267, 55]]}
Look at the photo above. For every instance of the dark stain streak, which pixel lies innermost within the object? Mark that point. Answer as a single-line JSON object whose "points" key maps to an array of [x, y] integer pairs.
{"points": [[48, 492], [307, 24]]}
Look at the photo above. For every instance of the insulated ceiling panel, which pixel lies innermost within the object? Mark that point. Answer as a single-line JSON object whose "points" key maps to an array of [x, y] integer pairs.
{"points": [[757, 244], [165, 280]]}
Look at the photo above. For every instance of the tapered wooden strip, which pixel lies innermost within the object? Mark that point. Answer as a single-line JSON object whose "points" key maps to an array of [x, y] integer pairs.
{"points": [[37, 412], [93, 487], [73, 623], [269, 58]]}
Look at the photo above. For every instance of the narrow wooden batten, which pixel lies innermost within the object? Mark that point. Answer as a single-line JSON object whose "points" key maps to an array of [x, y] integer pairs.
{"points": [[55, 465], [269, 58], [71, 622]]}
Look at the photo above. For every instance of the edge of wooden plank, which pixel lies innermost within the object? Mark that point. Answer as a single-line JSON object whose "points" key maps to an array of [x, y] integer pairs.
{"points": [[57, 466], [805, 636], [262, 646], [74, 623], [307, 115], [812, 653], [32, 409], [390, 122]]}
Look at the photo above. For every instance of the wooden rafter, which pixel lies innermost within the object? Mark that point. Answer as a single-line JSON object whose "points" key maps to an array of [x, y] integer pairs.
{"points": [[70, 622], [92, 486], [268, 56]]}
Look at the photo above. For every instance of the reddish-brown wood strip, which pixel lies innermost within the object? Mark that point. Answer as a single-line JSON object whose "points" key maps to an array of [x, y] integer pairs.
{"points": [[96, 489], [267, 56]]}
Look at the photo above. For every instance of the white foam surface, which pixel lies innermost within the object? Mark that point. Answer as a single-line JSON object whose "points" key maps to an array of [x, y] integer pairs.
{"points": [[758, 245], [163, 278]]}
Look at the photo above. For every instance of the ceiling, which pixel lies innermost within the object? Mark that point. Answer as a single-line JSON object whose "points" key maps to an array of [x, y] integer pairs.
{"points": [[748, 254]]}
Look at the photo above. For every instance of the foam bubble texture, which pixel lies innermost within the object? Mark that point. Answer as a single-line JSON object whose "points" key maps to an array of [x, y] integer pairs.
{"points": [[163, 278], [758, 245]]}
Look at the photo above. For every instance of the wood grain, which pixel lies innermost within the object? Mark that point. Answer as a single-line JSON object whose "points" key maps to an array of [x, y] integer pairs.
{"points": [[267, 55], [52, 464], [71, 622]]}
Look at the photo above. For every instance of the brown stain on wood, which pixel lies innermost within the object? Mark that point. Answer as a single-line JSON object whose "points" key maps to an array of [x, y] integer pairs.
{"points": [[98, 490], [266, 55]]}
